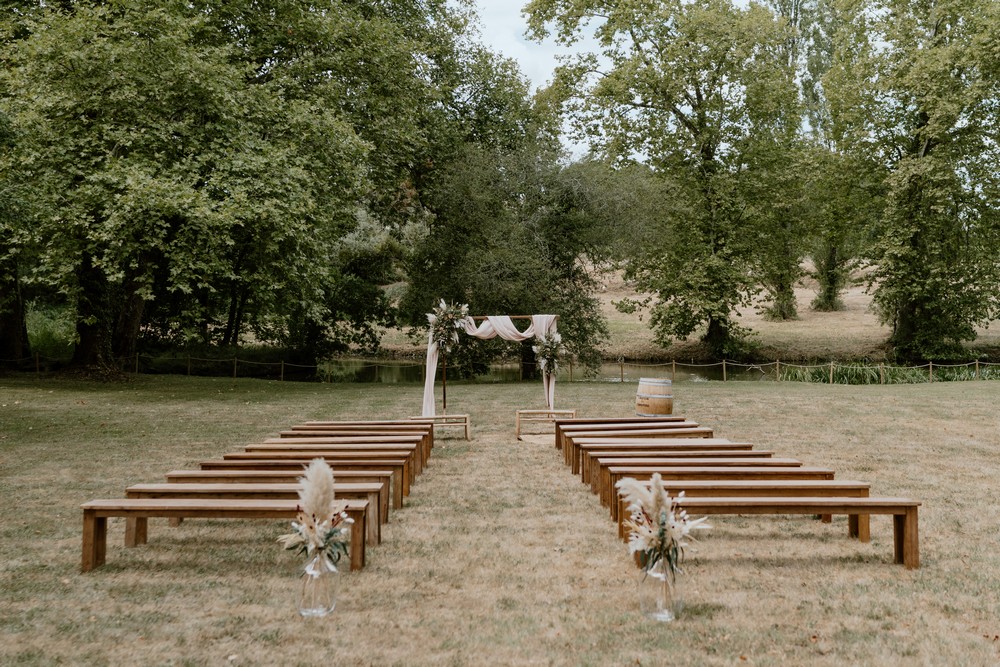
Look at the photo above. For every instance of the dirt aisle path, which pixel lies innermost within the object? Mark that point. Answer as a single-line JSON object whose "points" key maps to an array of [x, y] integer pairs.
{"points": [[494, 531]]}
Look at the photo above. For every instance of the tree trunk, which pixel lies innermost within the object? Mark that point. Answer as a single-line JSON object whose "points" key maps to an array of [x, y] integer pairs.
{"points": [[717, 336], [93, 317], [832, 280], [129, 322], [14, 345]]}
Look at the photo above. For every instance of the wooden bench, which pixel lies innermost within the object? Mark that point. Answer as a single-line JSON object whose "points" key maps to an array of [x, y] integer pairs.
{"points": [[420, 440], [659, 433], [448, 421], [308, 428], [675, 473], [539, 416], [648, 429], [858, 524], [574, 447], [590, 470], [291, 460], [97, 512], [412, 450], [606, 422], [906, 548], [599, 423], [375, 493], [384, 477], [399, 467]]}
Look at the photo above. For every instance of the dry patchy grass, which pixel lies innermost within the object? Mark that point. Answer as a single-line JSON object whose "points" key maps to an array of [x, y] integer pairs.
{"points": [[500, 556]]}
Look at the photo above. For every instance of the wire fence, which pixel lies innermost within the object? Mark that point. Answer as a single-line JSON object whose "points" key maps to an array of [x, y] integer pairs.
{"points": [[393, 371]]}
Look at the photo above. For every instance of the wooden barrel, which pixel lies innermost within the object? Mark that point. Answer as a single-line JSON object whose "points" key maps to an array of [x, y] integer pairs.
{"points": [[654, 398]]}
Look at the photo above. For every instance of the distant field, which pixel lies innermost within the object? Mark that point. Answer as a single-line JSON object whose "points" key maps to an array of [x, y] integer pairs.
{"points": [[849, 335]]}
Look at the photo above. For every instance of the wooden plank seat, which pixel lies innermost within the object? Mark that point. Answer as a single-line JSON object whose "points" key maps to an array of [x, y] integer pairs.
{"points": [[653, 464], [561, 424], [420, 440], [590, 470], [574, 447], [565, 427], [674, 473], [408, 456], [412, 449], [97, 512], [624, 430], [375, 493], [385, 477], [659, 433], [399, 467], [701, 488], [339, 457], [906, 549]]}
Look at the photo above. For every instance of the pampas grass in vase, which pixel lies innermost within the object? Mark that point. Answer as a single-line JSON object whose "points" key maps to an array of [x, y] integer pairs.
{"points": [[321, 531], [659, 531]]}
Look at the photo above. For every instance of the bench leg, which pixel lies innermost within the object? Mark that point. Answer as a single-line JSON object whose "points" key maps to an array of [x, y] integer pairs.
{"points": [[859, 526], [396, 480], [357, 546], [136, 531], [906, 539], [95, 541]]}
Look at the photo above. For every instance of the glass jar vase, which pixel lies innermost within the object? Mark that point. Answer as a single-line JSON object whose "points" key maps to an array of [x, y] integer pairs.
{"points": [[658, 592], [318, 592]]}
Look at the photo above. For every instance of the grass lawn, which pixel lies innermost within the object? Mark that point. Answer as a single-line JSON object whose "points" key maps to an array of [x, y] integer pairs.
{"points": [[500, 557]]}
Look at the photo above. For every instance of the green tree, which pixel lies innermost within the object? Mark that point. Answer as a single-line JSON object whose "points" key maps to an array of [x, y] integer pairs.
{"points": [[914, 87], [13, 329], [511, 235], [148, 156], [697, 89]]}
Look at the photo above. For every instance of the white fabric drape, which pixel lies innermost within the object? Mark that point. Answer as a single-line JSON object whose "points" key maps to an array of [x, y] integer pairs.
{"points": [[491, 327]]}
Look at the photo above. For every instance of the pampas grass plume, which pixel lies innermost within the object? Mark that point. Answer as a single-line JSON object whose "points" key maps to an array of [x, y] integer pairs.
{"points": [[316, 493]]}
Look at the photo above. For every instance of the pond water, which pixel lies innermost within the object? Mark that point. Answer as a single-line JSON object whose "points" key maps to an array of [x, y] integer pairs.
{"points": [[412, 372]]}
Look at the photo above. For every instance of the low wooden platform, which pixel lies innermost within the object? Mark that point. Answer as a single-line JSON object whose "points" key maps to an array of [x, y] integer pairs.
{"points": [[448, 421], [522, 417]]}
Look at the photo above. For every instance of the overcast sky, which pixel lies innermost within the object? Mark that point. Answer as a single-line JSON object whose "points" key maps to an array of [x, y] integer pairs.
{"points": [[503, 30]]}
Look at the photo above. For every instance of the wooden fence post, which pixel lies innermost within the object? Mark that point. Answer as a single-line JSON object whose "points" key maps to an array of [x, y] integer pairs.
{"points": [[930, 371], [977, 369], [282, 376], [673, 370], [234, 367], [831, 372], [777, 369], [621, 369], [723, 370], [881, 373]]}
